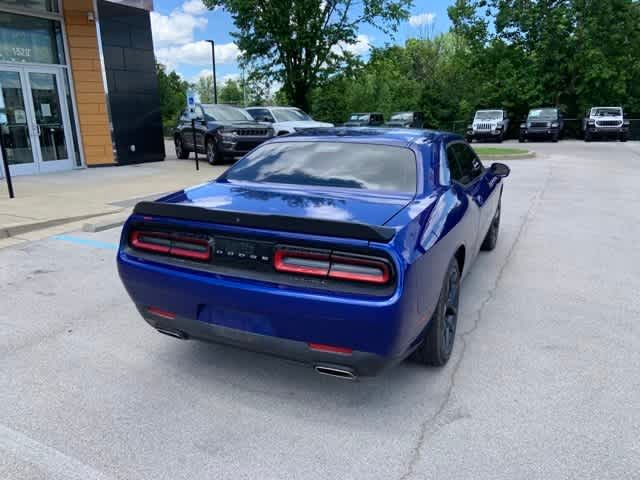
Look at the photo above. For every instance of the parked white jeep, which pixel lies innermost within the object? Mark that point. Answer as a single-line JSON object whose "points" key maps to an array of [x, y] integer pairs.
{"points": [[286, 120], [605, 122], [488, 124]]}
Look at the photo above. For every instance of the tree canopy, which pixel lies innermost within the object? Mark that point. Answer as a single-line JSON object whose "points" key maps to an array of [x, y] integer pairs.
{"points": [[301, 42]]}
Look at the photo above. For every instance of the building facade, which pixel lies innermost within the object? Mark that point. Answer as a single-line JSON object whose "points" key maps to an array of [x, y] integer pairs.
{"points": [[77, 85]]}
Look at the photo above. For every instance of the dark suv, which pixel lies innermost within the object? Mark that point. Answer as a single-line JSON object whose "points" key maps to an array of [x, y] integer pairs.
{"points": [[222, 131], [406, 120], [367, 119], [542, 123]]}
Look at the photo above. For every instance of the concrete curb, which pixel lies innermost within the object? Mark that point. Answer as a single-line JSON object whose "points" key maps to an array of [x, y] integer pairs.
{"points": [[18, 229], [515, 156], [106, 223]]}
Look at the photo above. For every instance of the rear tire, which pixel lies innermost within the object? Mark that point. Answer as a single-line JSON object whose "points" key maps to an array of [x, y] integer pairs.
{"points": [[490, 241], [441, 330], [181, 152]]}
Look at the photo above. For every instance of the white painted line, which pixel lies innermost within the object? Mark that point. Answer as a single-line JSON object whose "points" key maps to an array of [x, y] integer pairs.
{"points": [[56, 464]]}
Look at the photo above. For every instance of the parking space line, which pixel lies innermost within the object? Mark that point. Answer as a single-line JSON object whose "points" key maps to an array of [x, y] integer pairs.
{"points": [[56, 464], [87, 242]]}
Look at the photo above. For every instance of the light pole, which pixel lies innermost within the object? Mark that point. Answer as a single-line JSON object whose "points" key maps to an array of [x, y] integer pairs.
{"points": [[213, 64]]}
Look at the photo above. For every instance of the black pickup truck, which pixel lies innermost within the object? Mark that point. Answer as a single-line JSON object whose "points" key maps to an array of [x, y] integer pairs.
{"points": [[221, 131]]}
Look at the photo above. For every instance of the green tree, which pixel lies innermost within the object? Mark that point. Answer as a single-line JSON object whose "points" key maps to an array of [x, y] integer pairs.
{"points": [[204, 88], [301, 42], [173, 94], [231, 92]]}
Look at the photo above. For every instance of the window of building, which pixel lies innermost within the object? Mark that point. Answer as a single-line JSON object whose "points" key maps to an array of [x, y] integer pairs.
{"points": [[51, 6], [27, 39]]}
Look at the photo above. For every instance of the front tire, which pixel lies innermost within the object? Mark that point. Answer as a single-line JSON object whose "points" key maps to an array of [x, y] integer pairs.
{"points": [[555, 137], [521, 139], [211, 149], [181, 152], [491, 239], [587, 136], [441, 331]]}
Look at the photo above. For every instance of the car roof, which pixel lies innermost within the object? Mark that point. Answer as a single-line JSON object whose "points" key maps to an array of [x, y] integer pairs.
{"points": [[382, 136], [276, 107]]}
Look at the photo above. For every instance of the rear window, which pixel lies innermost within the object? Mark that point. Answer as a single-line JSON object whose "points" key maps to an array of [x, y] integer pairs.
{"points": [[330, 164]]}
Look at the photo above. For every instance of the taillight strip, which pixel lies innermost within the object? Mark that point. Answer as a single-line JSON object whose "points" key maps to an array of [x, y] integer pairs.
{"points": [[303, 262], [160, 242], [340, 266], [359, 269]]}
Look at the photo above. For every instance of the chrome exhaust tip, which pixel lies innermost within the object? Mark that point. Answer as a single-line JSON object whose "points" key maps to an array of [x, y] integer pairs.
{"points": [[336, 372], [173, 333]]}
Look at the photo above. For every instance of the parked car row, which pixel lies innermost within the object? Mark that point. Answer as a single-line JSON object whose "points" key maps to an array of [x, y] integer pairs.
{"points": [[548, 123], [225, 131]]}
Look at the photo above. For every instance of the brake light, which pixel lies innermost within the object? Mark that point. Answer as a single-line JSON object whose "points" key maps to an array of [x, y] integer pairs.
{"points": [[339, 266], [302, 261], [359, 269], [168, 244], [151, 241]]}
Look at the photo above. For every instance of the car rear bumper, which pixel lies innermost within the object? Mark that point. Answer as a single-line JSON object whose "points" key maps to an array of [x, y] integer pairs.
{"points": [[272, 318], [357, 363]]}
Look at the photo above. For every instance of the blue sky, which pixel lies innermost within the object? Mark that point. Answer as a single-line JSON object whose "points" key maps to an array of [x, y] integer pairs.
{"points": [[181, 26]]}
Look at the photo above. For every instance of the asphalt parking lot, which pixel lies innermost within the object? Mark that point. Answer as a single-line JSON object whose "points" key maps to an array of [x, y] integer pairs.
{"points": [[543, 382]]}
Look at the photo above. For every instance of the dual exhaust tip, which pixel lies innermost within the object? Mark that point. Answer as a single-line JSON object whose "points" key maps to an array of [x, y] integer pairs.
{"points": [[343, 373]]}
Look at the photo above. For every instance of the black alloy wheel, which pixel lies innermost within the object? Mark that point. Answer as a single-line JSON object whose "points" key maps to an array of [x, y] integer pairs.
{"points": [[441, 331]]}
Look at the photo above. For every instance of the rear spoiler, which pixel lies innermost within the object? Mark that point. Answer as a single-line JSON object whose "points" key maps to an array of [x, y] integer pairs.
{"points": [[333, 228]]}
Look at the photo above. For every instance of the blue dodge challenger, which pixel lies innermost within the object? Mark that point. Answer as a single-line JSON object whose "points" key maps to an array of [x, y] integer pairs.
{"points": [[341, 248]]}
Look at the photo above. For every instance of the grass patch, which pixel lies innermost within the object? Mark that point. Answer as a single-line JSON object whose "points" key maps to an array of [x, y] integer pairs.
{"points": [[499, 151]]}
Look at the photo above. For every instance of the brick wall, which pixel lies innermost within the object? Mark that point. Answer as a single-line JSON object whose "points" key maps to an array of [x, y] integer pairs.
{"points": [[89, 87]]}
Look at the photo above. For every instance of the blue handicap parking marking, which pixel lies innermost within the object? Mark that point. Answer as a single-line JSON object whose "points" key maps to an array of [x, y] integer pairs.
{"points": [[87, 242]]}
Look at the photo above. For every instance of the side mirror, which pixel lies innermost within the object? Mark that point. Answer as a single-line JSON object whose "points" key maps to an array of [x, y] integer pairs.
{"points": [[500, 170]]}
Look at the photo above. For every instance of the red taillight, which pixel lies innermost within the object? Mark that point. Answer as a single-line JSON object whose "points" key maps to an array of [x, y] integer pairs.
{"points": [[340, 266], [151, 241], [161, 242], [302, 261], [158, 312], [319, 347], [359, 269]]}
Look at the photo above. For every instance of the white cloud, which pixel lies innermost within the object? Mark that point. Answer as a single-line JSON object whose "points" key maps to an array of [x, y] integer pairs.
{"points": [[177, 28], [231, 76], [197, 53], [194, 7], [362, 45], [422, 19]]}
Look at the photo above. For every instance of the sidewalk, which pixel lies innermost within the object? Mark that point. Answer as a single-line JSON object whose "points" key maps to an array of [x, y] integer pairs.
{"points": [[66, 200]]}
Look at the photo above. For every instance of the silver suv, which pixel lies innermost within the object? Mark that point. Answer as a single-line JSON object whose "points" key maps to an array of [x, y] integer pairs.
{"points": [[605, 122], [488, 124]]}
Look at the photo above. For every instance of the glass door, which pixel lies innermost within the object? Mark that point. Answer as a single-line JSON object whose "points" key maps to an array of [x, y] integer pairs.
{"points": [[15, 126], [50, 122], [34, 120]]}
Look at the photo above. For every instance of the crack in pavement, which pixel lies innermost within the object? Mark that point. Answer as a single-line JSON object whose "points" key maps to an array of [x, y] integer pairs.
{"points": [[424, 427]]}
